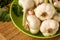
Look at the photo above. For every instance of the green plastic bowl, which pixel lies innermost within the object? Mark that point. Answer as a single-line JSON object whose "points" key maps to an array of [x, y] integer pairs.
{"points": [[17, 21]]}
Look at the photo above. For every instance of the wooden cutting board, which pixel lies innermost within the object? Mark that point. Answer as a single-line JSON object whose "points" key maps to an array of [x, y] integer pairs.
{"points": [[10, 32]]}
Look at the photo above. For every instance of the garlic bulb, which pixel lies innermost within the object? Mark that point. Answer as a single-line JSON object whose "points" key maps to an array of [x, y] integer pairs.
{"points": [[45, 11], [57, 17], [34, 23], [57, 4], [49, 27], [37, 2], [26, 4]]}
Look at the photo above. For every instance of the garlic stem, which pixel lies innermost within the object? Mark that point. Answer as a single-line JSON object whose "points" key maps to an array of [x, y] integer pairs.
{"points": [[46, 1], [50, 1], [24, 17]]}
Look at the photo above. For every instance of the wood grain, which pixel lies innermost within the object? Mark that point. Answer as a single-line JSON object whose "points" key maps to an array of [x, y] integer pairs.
{"points": [[2, 37], [10, 32]]}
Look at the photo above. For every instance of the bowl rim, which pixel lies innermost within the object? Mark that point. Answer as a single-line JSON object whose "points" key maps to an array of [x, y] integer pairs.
{"points": [[25, 32]]}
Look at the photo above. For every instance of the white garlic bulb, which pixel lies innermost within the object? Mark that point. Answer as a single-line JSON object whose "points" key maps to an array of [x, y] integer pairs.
{"points": [[49, 27], [34, 23], [45, 11], [57, 17], [37, 2], [26, 4], [57, 4]]}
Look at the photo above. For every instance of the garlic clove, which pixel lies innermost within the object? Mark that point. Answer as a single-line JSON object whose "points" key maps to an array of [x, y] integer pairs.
{"points": [[49, 27], [57, 17], [45, 11], [57, 4]]}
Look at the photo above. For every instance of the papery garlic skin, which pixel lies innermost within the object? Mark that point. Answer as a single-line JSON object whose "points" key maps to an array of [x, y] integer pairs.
{"points": [[26, 4], [34, 23], [27, 26], [49, 27], [57, 17], [57, 4], [45, 11]]}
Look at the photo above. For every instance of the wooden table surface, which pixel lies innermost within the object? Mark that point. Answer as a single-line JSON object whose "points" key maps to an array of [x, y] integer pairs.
{"points": [[9, 32]]}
